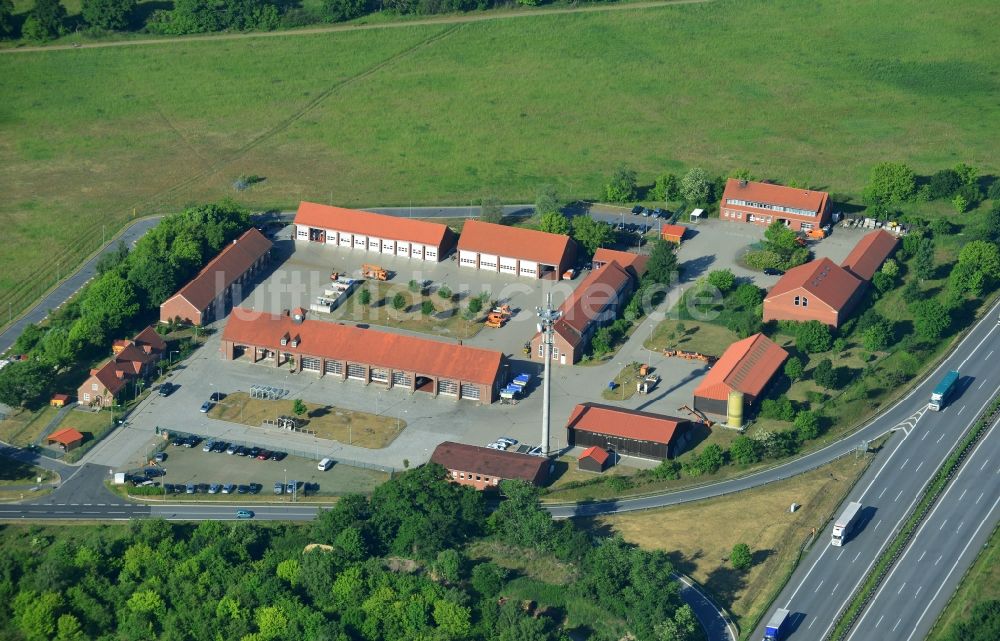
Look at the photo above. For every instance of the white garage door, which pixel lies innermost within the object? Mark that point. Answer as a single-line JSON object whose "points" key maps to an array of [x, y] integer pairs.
{"points": [[508, 265], [357, 372], [416, 251], [332, 238], [388, 247], [470, 392], [449, 388], [402, 249], [333, 367], [430, 253], [466, 259], [487, 261], [402, 379], [380, 375], [346, 240], [529, 268], [310, 363], [360, 242], [374, 244]]}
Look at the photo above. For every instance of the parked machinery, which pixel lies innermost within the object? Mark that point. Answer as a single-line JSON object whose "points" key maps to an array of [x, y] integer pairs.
{"points": [[696, 414], [374, 272]]}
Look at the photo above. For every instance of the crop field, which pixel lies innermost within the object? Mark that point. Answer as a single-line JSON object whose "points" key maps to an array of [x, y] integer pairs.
{"points": [[813, 92]]}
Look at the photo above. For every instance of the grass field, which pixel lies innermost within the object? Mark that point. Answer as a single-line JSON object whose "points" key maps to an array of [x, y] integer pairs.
{"points": [[981, 583], [445, 113], [699, 536]]}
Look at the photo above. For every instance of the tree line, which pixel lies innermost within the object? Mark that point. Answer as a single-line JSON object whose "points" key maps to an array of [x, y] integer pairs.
{"points": [[125, 295], [390, 567]]}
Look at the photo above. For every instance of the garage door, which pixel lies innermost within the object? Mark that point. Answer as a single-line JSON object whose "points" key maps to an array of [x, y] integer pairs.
{"points": [[388, 246], [334, 367], [488, 261], [360, 242], [380, 375], [402, 249], [430, 253], [402, 379], [356, 372], [417, 251], [346, 240], [508, 265], [470, 392], [311, 364], [374, 244], [449, 388]]}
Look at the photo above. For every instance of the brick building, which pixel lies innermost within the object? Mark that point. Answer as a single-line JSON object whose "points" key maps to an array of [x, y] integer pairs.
{"points": [[217, 287], [868, 255], [366, 355], [819, 290], [596, 302], [763, 203], [593, 459], [634, 264], [370, 232], [515, 251], [747, 366], [627, 432], [132, 359], [484, 468]]}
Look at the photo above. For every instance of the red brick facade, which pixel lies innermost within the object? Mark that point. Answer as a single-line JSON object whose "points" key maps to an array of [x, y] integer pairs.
{"points": [[763, 203]]}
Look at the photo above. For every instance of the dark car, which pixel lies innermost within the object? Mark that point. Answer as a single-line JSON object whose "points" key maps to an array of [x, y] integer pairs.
{"points": [[278, 456], [241, 451], [159, 457], [264, 455], [242, 489], [253, 452], [169, 488], [659, 212], [155, 472], [216, 397], [191, 488], [220, 447], [771, 271], [179, 441], [255, 488], [166, 389], [207, 405], [637, 209]]}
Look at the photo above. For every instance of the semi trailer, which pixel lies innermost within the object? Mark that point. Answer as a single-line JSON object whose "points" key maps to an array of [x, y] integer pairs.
{"points": [[944, 390], [845, 523], [775, 628]]}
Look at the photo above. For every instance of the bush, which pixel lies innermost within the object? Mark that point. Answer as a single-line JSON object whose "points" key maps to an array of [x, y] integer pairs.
{"points": [[667, 470], [744, 450], [365, 296], [794, 368], [779, 409], [398, 301], [741, 557], [426, 308], [763, 259], [722, 279], [444, 292], [618, 483], [413, 286], [475, 305], [811, 337], [807, 425]]}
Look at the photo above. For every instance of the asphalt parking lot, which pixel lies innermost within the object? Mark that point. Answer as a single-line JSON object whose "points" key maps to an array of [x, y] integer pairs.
{"points": [[191, 465]]}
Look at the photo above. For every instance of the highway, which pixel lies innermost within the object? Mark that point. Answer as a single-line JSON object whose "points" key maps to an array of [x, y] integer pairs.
{"points": [[827, 578], [944, 546]]}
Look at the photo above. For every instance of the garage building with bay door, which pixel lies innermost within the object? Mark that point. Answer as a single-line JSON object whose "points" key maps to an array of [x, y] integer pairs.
{"points": [[628, 432], [368, 356], [370, 232], [515, 251]]}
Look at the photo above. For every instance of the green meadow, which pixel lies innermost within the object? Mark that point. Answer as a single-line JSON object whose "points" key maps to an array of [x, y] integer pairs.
{"points": [[814, 92]]}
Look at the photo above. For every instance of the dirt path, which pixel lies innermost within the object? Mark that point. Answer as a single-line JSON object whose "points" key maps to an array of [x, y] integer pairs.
{"points": [[450, 19]]}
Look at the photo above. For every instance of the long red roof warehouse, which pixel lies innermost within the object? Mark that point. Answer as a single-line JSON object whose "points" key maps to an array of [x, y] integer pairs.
{"points": [[633, 424], [869, 254], [824, 279], [380, 349], [746, 366], [514, 242], [369, 223], [806, 199]]}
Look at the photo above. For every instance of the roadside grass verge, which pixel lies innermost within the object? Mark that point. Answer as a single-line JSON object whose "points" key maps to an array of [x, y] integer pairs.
{"points": [[22, 427], [981, 583], [14, 472], [699, 536], [325, 421]]}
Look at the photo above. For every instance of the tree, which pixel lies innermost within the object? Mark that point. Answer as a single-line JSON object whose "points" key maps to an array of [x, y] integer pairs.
{"points": [[57, 348], [780, 239], [187, 16], [475, 305], [344, 10], [722, 279], [877, 337], [112, 15], [741, 557], [111, 300], [398, 301], [882, 282], [288, 570], [448, 565], [591, 234], [600, 343], [890, 183], [748, 296], [245, 15], [825, 375], [985, 256], [683, 626], [696, 186], [960, 203], [426, 308], [271, 621], [145, 602], [6, 13], [621, 187], [812, 337], [744, 450], [943, 184], [547, 201], [794, 368], [488, 578], [45, 21], [365, 296], [666, 188], [710, 459], [923, 259], [553, 222], [519, 519], [26, 383], [890, 268], [68, 629], [967, 174], [455, 620], [31, 336], [299, 407], [806, 425], [491, 209], [444, 292], [414, 286], [930, 319], [780, 408], [662, 264], [981, 624], [36, 614]]}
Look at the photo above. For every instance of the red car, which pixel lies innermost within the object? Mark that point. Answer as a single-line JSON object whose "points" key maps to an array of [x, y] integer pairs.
{"points": [[264, 455]]}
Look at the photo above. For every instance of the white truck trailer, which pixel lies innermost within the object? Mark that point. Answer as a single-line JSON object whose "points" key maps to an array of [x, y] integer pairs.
{"points": [[845, 523]]}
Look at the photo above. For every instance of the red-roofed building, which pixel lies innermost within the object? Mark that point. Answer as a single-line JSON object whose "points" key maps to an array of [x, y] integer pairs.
{"points": [[596, 302], [747, 201], [370, 232], [59, 400], [868, 255], [674, 233], [593, 459], [484, 468], [66, 438], [634, 264], [627, 432], [747, 366], [514, 250], [366, 355], [132, 359], [210, 294], [819, 290]]}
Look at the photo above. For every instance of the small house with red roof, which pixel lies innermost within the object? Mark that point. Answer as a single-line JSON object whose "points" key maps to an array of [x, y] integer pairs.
{"points": [[627, 432], [66, 438], [369, 356], [634, 264], [370, 232], [596, 302], [219, 285], [59, 400], [514, 250], [747, 366], [484, 468], [131, 359], [593, 459], [673, 233], [746, 201]]}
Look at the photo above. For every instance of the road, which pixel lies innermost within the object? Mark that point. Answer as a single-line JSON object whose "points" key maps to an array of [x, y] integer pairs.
{"points": [[828, 577], [942, 549]]}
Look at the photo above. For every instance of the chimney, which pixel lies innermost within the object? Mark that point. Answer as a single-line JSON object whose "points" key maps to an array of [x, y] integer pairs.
{"points": [[743, 183], [284, 312], [93, 372]]}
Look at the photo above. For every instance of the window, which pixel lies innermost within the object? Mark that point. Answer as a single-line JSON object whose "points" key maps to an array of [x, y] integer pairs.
{"points": [[541, 352], [86, 397], [805, 302], [479, 478], [93, 386], [496, 481], [797, 300], [461, 475], [454, 474]]}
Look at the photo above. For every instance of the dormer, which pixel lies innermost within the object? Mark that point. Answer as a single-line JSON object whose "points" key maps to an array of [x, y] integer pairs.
{"points": [[284, 339], [295, 341]]}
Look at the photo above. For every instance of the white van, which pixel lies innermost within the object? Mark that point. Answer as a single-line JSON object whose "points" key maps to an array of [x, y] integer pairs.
{"points": [[325, 464]]}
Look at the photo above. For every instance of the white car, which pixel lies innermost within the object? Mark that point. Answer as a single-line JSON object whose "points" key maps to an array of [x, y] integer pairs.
{"points": [[508, 441]]}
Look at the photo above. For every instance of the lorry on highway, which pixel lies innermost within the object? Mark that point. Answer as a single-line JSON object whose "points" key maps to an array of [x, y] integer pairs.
{"points": [[843, 526], [775, 627], [944, 390]]}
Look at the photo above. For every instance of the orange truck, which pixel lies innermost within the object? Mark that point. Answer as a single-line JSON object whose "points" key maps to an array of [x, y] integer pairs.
{"points": [[374, 272]]}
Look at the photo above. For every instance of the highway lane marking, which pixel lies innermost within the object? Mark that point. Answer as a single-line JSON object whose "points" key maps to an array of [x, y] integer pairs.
{"points": [[940, 437], [818, 587], [922, 555], [883, 491], [980, 497], [939, 559], [943, 524], [835, 589], [811, 623], [960, 411], [901, 587], [897, 496], [925, 435], [904, 463], [918, 467], [897, 624], [959, 527], [856, 556], [981, 467], [919, 588], [988, 355], [879, 473], [876, 525], [879, 620], [981, 384], [976, 348], [802, 582], [963, 494], [954, 565], [841, 554]]}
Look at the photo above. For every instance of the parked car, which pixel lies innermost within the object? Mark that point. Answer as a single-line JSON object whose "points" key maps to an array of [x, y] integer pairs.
{"points": [[497, 446], [168, 488], [637, 209], [178, 441], [771, 271], [220, 447], [166, 389], [214, 488], [154, 472], [279, 487], [216, 397], [325, 464], [278, 456], [207, 405], [228, 488], [208, 447], [241, 451], [264, 455], [255, 488], [244, 514], [253, 452], [290, 488], [190, 489], [231, 449], [159, 457], [659, 212], [510, 442]]}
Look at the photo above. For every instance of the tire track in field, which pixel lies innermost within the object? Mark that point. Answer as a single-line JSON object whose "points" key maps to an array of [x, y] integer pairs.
{"points": [[285, 123]]}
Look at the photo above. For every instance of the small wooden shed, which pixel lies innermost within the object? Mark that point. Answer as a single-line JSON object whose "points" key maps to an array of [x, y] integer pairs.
{"points": [[674, 233], [59, 400], [593, 459], [68, 438]]}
